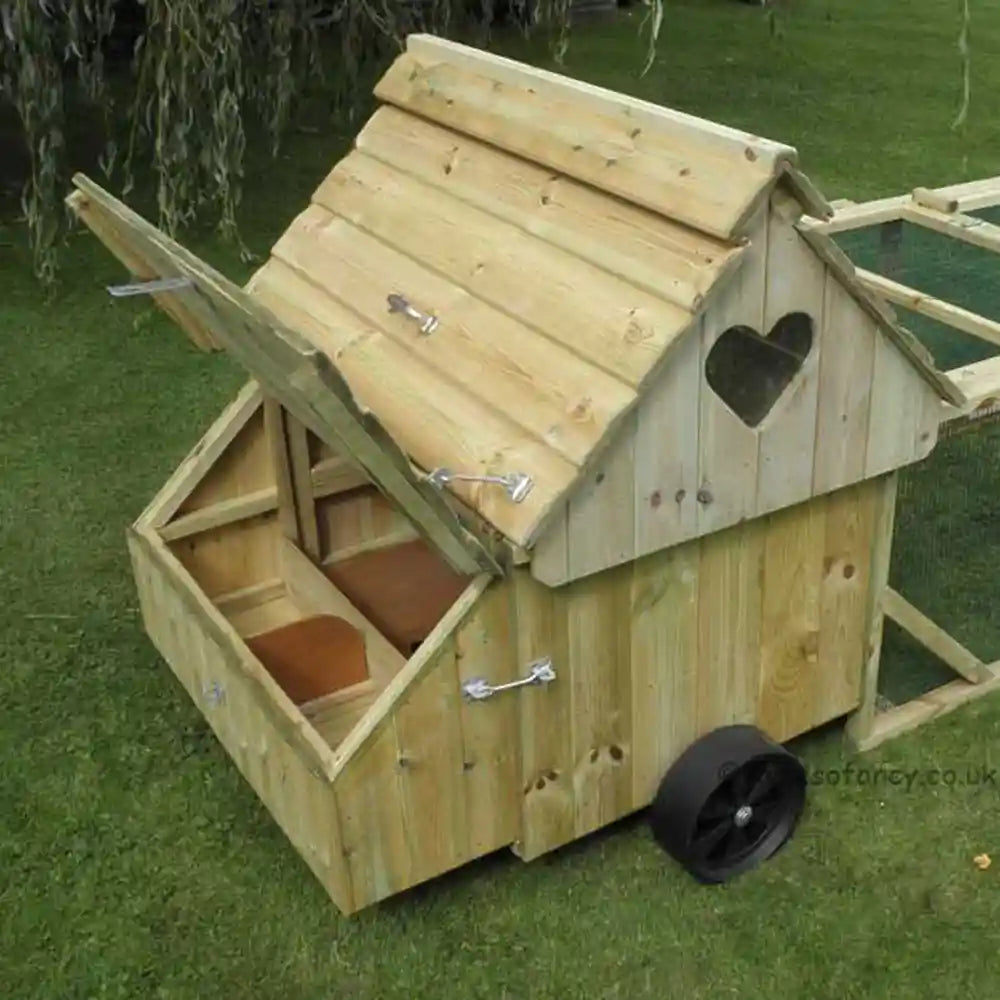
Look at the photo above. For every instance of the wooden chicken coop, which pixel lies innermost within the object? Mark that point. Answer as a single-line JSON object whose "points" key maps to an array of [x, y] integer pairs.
{"points": [[563, 483]]}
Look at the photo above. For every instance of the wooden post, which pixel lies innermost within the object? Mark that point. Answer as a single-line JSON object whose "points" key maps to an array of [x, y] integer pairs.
{"points": [[859, 725]]}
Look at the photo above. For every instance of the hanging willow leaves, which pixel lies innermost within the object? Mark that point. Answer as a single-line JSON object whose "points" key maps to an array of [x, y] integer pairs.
{"points": [[200, 76]]}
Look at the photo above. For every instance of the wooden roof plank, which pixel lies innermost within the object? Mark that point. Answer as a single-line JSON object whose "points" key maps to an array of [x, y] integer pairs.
{"points": [[434, 421], [681, 179], [296, 374], [668, 123], [549, 392], [610, 323], [654, 253]]}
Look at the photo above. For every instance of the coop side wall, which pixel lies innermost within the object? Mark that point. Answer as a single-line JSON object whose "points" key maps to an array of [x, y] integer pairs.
{"points": [[277, 753], [766, 622], [686, 466]]}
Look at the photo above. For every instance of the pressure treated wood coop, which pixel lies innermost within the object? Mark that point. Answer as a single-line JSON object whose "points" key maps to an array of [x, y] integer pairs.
{"points": [[567, 443]]}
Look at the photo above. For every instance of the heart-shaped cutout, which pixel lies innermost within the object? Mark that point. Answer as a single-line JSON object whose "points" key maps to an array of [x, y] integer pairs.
{"points": [[749, 372]]}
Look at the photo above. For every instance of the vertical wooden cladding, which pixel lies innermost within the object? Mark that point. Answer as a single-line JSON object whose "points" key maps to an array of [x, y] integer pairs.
{"points": [[762, 622], [436, 784], [685, 465]]}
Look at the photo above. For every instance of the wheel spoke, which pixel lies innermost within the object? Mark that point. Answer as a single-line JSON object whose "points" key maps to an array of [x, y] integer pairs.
{"points": [[705, 843], [766, 783], [715, 809]]}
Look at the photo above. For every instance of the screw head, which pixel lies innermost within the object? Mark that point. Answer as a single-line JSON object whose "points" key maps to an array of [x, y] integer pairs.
{"points": [[705, 495]]}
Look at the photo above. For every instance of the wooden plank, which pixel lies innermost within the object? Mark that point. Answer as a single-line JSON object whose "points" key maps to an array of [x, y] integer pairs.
{"points": [[666, 451], [615, 326], [602, 514], [546, 720], [334, 719], [973, 195], [792, 678], [980, 382], [304, 380], [859, 726], [665, 259], [599, 625], [301, 474], [904, 416], [965, 228], [415, 667], [927, 198], [665, 664], [331, 476], [232, 556], [548, 391], [284, 493], [218, 514], [271, 614], [937, 309], [372, 821], [859, 215], [730, 637], [315, 594], [486, 646], [202, 457], [787, 435], [932, 705], [678, 177], [931, 636], [236, 601], [427, 722], [849, 522], [140, 270], [845, 390], [728, 450], [449, 427], [671, 125]]}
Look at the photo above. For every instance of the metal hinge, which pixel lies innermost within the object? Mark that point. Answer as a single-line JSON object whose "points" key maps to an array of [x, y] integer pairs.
{"points": [[428, 323], [517, 485], [478, 689], [149, 287]]}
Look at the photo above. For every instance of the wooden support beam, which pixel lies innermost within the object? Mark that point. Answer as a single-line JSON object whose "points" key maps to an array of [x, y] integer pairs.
{"points": [[329, 478], [284, 493], [935, 200], [305, 497], [931, 705], [937, 309], [931, 636], [857, 216], [218, 514], [966, 228], [980, 382], [973, 195]]}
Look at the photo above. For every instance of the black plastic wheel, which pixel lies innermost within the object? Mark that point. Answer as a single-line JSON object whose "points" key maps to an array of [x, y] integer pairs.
{"points": [[728, 803]]}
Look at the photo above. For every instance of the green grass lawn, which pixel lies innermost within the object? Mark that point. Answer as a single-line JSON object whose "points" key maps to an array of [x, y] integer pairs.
{"points": [[134, 861]]}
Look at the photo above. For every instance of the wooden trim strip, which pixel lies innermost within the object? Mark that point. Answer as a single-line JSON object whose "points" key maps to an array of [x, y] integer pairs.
{"points": [[966, 228], [931, 705], [931, 636], [427, 656], [936, 309]]}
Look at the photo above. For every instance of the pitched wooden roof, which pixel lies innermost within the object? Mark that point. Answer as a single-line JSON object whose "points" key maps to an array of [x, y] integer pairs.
{"points": [[563, 247], [563, 237]]}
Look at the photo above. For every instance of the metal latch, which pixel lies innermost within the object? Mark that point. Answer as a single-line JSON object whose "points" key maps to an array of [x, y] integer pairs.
{"points": [[428, 323], [516, 484], [149, 287], [478, 689]]}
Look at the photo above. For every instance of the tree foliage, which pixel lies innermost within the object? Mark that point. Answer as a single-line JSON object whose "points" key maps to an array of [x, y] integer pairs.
{"points": [[200, 74]]}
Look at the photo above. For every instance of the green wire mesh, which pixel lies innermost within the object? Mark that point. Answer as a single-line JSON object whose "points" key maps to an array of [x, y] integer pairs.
{"points": [[946, 548]]}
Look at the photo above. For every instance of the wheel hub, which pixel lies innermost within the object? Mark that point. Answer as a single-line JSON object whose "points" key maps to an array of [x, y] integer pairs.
{"points": [[743, 815]]}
